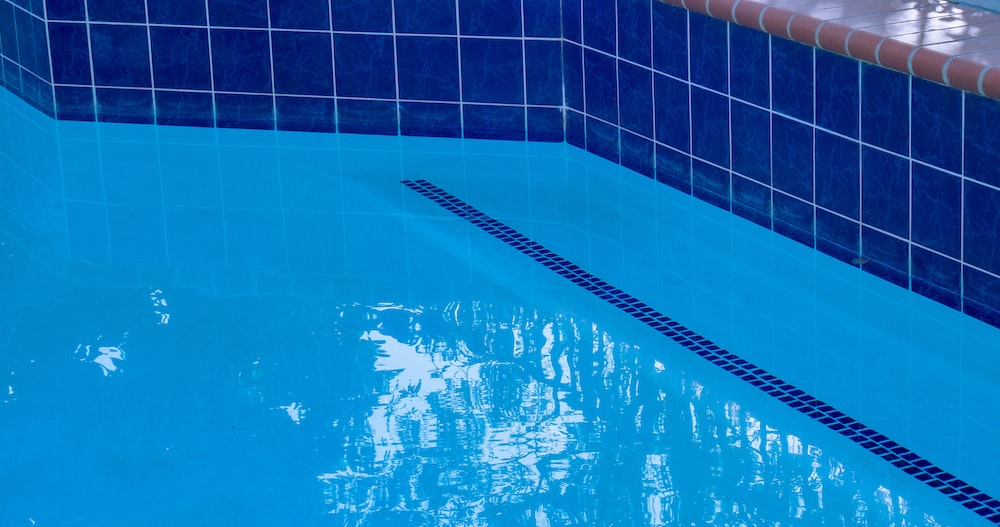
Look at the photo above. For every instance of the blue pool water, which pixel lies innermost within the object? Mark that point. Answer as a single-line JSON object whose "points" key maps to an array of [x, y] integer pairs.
{"points": [[223, 327]]}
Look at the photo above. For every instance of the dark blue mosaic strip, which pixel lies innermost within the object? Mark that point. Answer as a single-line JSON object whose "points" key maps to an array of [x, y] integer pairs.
{"points": [[899, 456]]}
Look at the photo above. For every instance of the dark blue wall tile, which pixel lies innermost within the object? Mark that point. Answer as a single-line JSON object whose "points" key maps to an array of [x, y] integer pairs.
{"points": [[576, 129], [501, 18], [600, 85], [304, 64], [982, 292], [837, 93], [602, 140], [670, 47], [599, 25], [430, 119], [936, 115], [572, 20], [710, 126], [637, 153], [61, 10], [543, 70], [300, 14], [792, 157], [88, 232], [752, 201], [634, 37], [238, 13], [837, 236], [40, 49], [70, 53], [541, 18], [838, 174], [365, 66], [794, 218], [8, 32], [241, 60], [180, 58], [492, 70], [982, 135], [244, 111], [367, 117], [887, 257], [792, 79], [75, 104], [545, 124], [711, 184], [131, 11], [982, 218], [428, 68], [936, 277], [573, 75], [937, 210], [26, 44], [12, 77], [709, 52], [184, 108], [749, 65], [751, 129], [38, 93], [363, 15], [494, 122], [885, 108], [672, 112], [885, 185], [187, 12], [427, 17], [125, 106], [193, 236], [635, 104], [306, 114], [673, 168]]}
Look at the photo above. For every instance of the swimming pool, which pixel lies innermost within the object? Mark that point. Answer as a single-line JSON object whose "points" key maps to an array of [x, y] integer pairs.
{"points": [[226, 326]]}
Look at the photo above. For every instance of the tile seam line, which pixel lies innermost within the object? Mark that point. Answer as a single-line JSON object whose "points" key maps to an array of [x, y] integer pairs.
{"points": [[795, 398]]}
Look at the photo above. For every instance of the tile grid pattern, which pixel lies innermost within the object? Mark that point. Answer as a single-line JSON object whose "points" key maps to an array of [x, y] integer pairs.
{"points": [[899, 456], [24, 53]]}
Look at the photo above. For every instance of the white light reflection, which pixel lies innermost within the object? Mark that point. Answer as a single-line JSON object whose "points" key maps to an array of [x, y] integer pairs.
{"points": [[160, 307], [104, 356]]}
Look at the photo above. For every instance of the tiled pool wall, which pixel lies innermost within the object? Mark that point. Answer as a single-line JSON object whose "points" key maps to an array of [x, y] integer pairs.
{"points": [[890, 172]]}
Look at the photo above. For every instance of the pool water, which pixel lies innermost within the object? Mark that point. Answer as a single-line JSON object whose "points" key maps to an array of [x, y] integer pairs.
{"points": [[224, 327]]}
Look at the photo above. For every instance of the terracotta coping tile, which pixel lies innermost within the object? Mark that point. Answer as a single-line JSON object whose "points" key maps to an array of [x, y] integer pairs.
{"points": [[803, 28], [698, 6], [863, 45], [722, 9], [894, 54], [990, 82], [927, 63], [833, 37]]}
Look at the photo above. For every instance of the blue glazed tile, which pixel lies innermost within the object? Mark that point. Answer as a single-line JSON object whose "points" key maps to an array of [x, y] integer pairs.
{"points": [[670, 47], [367, 117], [120, 55], [136, 235], [711, 184], [180, 58], [193, 236], [599, 25], [241, 60], [709, 52], [122, 183], [248, 176], [792, 157], [492, 71], [426, 17], [364, 66], [184, 108], [793, 218], [576, 129], [635, 104], [255, 239], [671, 112], [838, 174], [602, 140], [887, 256], [982, 135], [125, 106], [541, 18], [749, 63], [362, 15], [38, 93], [931, 269], [70, 53], [637, 153], [494, 122], [430, 119], [792, 79], [936, 115], [25, 41], [751, 131], [12, 77], [237, 13], [300, 14], [244, 111], [428, 68], [304, 63], [837, 236], [131, 11], [8, 33], [710, 126], [545, 124], [572, 21], [88, 232], [61, 10], [982, 289], [837, 93], [305, 114], [75, 104], [41, 49], [885, 184], [314, 246], [187, 12], [542, 69], [634, 37], [573, 75], [982, 216], [498, 18], [752, 201], [937, 210], [885, 108]]}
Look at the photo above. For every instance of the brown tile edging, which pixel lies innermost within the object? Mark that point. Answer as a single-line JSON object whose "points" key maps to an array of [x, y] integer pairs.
{"points": [[958, 46]]}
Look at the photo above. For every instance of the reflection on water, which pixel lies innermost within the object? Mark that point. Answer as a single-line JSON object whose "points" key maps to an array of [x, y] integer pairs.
{"points": [[471, 414]]}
